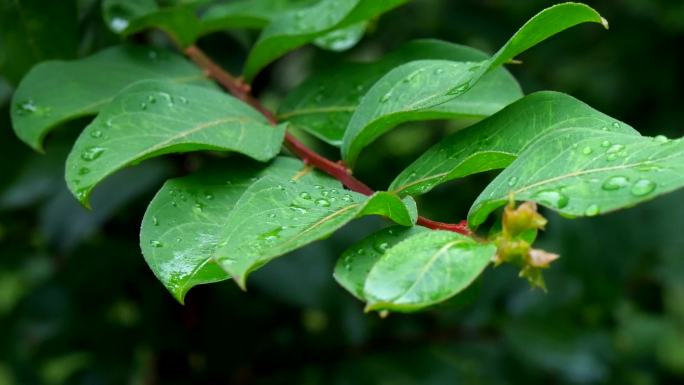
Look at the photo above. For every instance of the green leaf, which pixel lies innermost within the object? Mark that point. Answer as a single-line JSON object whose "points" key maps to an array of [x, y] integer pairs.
{"points": [[584, 172], [496, 141], [353, 266], [294, 29], [35, 30], [182, 224], [153, 118], [276, 216], [254, 14], [409, 91], [424, 269], [40, 103], [324, 104]]}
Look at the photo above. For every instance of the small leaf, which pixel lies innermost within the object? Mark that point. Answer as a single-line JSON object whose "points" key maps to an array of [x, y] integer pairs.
{"points": [[276, 216], [583, 172], [496, 141], [153, 118], [294, 29], [409, 91], [425, 269], [353, 266], [180, 230], [323, 104], [39, 104]]}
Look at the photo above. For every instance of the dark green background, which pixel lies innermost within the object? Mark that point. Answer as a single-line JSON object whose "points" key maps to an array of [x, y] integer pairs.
{"points": [[78, 304]]}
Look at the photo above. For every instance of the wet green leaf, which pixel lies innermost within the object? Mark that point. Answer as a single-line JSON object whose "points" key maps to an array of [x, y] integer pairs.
{"points": [[584, 172], [153, 118], [409, 91], [54, 92], [495, 142], [277, 215], [294, 29], [353, 266], [425, 268], [323, 104], [182, 224]]}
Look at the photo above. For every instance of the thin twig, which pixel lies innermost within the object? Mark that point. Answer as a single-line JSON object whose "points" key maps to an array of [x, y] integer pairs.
{"points": [[337, 170]]}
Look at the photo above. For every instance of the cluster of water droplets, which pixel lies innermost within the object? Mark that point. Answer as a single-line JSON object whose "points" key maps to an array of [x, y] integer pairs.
{"points": [[30, 108], [379, 246]]}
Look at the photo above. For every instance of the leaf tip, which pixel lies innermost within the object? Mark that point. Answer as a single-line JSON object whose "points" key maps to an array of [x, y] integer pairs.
{"points": [[604, 23]]}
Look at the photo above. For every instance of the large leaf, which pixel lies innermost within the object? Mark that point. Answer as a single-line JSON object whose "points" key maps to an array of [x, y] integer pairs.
{"points": [[275, 216], [153, 118], [409, 91], [353, 266], [414, 269], [294, 29], [584, 172], [40, 105], [35, 30], [323, 104], [495, 142], [182, 224]]}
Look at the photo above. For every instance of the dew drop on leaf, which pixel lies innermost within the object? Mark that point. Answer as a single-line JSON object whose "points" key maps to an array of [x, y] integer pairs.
{"points": [[587, 150], [156, 244], [605, 144], [661, 139], [615, 148], [95, 134], [305, 195], [615, 183], [643, 187], [323, 202], [92, 153], [553, 198], [592, 210]]}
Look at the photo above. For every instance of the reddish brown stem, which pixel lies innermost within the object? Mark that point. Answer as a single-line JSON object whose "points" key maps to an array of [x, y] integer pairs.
{"points": [[337, 170]]}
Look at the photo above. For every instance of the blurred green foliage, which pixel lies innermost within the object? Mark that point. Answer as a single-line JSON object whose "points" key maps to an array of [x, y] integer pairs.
{"points": [[78, 304]]}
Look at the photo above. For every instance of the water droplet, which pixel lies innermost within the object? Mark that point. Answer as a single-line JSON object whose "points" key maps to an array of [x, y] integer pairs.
{"points": [[208, 196], [661, 139], [92, 153], [318, 186], [271, 215], [381, 247], [271, 236], [197, 208], [605, 144], [152, 55], [616, 125], [592, 210], [552, 198], [174, 204], [587, 150], [95, 134], [30, 107], [325, 193], [512, 180], [462, 88], [615, 148], [118, 24], [143, 106], [612, 157], [109, 123], [298, 209], [155, 221], [643, 187], [386, 97], [439, 71], [323, 202], [151, 99], [305, 195], [156, 244], [183, 100], [346, 198], [615, 183], [83, 171]]}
